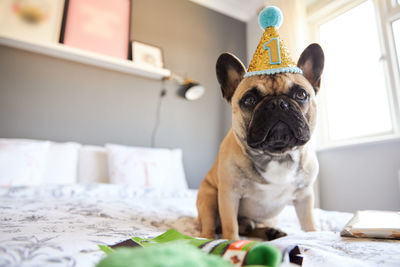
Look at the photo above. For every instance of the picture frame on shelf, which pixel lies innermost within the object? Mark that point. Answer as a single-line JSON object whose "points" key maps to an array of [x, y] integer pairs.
{"points": [[99, 26], [147, 54], [32, 20]]}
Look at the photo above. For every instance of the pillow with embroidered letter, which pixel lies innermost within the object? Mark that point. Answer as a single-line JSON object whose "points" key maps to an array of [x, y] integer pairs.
{"points": [[146, 167]]}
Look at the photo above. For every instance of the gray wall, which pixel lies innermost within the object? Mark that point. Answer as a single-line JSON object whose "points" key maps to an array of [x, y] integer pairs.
{"points": [[47, 98], [360, 177]]}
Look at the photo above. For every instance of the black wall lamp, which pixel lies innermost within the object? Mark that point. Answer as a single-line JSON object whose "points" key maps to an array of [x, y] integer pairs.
{"points": [[188, 88]]}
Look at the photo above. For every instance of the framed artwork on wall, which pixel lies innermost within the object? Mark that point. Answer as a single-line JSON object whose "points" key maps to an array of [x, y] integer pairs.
{"points": [[100, 26], [33, 20], [147, 54]]}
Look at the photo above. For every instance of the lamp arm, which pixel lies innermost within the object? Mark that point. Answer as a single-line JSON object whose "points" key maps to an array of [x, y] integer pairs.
{"points": [[178, 79]]}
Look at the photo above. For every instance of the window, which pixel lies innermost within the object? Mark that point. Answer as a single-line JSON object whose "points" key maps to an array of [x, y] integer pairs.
{"points": [[359, 91], [396, 36], [353, 76]]}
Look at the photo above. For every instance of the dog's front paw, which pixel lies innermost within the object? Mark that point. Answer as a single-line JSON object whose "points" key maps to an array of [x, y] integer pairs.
{"points": [[230, 236], [207, 236], [311, 229]]}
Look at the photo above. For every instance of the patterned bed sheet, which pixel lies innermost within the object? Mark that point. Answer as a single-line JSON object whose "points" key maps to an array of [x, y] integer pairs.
{"points": [[63, 226]]}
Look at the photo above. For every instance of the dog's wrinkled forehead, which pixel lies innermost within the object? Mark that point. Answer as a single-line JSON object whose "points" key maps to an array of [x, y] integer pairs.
{"points": [[277, 84]]}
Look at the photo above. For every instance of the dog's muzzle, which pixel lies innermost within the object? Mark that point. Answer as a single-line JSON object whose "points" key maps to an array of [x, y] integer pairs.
{"points": [[278, 124]]}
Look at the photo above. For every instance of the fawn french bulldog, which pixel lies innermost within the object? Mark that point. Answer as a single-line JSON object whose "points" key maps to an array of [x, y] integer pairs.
{"points": [[265, 161]]}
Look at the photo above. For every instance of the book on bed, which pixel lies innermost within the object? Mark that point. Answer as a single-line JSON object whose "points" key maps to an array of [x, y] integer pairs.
{"points": [[374, 224]]}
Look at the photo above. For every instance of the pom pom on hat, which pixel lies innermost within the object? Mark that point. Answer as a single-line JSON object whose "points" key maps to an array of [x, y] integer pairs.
{"points": [[270, 17]]}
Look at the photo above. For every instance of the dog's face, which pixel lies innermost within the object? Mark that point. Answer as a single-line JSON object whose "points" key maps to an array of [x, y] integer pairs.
{"points": [[276, 113]]}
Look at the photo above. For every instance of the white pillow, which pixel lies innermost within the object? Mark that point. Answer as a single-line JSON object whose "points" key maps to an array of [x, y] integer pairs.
{"points": [[148, 167], [22, 162], [62, 165], [93, 165]]}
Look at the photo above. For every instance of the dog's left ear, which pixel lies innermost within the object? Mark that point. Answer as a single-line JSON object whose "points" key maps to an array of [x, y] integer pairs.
{"points": [[311, 62]]}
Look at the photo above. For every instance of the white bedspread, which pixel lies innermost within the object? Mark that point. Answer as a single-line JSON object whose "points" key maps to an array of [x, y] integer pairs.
{"points": [[62, 226]]}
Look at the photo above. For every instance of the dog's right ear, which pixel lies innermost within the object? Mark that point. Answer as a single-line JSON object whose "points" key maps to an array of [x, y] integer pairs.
{"points": [[230, 71]]}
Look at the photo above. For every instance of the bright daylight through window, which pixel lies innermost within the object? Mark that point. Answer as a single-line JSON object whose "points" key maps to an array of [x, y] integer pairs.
{"points": [[356, 99], [396, 34]]}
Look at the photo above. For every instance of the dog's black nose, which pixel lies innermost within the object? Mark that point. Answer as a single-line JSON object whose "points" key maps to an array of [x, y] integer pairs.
{"points": [[283, 104], [278, 103], [279, 138]]}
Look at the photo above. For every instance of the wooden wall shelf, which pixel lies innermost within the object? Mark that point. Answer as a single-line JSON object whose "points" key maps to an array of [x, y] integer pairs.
{"points": [[86, 57]]}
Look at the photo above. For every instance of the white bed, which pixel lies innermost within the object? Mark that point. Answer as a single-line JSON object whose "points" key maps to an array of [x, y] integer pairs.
{"points": [[62, 225]]}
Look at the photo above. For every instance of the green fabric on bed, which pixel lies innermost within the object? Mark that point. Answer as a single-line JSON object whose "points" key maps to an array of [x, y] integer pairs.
{"points": [[165, 255], [251, 253]]}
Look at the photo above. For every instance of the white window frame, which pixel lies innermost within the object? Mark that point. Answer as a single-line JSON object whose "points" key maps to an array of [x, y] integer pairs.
{"points": [[386, 12]]}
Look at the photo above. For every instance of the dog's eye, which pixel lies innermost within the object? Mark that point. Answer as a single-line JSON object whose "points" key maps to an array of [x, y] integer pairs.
{"points": [[249, 101], [301, 95]]}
